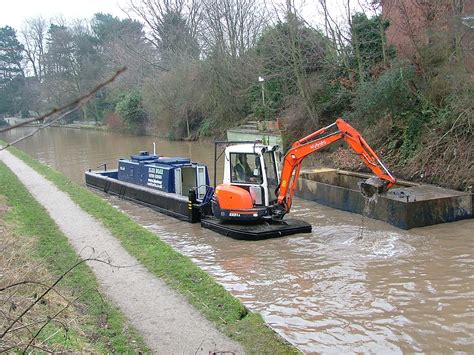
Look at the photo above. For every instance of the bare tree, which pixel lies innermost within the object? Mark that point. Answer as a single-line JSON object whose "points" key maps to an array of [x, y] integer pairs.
{"points": [[293, 52], [375, 7], [232, 26], [296, 55], [173, 27], [34, 39], [339, 32]]}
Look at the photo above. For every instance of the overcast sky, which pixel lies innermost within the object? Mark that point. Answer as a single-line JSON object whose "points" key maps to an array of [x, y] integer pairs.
{"points": [[14, 12]]}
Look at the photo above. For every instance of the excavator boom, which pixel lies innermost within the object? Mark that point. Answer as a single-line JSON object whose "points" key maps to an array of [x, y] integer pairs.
{"points": [[318, 140]]}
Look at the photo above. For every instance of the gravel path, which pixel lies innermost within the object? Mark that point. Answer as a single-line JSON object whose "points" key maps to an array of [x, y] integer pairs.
{"points": [[165, 320]]}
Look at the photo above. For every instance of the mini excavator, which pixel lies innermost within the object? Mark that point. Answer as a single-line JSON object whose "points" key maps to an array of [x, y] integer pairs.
{"points": [[252, 190]]}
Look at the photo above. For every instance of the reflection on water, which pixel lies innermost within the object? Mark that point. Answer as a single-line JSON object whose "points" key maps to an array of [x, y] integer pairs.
{"points": [[352, 285]]}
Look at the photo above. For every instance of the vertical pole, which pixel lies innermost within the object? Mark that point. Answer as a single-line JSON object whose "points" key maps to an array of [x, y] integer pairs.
{"points": [[263, 94], [215, 164]]}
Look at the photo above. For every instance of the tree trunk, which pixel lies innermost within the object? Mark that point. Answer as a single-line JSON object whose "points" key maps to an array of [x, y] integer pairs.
{"points": [[187, 124]]}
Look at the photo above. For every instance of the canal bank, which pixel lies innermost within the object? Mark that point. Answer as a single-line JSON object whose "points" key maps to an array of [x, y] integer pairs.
{"points": [[163, 317], [70, 317]]}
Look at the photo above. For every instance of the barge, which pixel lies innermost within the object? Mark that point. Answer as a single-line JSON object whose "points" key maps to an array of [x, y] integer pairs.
{"points": [[254, 197], [407, 205], [160, 183], [181, 189]]}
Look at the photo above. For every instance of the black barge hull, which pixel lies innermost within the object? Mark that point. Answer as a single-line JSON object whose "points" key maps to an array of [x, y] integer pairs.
{"points": [[173, 205], [256, 231]]}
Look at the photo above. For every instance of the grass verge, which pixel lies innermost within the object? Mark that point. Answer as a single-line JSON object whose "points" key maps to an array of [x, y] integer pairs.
{"points": [[101, 326], [200, 289]]}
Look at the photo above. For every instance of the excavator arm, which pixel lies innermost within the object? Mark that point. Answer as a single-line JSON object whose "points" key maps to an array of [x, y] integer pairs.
{"points": [[318, 140]]}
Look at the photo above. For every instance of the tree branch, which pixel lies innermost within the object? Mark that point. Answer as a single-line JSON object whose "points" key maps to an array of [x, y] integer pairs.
{"points": [[77, 102]]}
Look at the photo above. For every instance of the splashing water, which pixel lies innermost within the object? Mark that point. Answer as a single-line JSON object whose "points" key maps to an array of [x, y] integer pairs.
{"points": [[368, 203]]}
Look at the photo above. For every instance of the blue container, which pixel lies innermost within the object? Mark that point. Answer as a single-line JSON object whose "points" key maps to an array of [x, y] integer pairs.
{"points": [[127, 170], [163, 173]]}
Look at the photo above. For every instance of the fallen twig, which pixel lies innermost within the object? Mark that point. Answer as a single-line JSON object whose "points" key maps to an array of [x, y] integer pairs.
{"points": [[25, 282]]}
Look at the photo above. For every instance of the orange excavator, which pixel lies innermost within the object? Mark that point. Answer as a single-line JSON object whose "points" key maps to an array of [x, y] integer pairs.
{"points": [[252, 189]]}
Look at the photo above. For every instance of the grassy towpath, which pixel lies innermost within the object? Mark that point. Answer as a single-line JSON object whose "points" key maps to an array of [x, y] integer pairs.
{"points": [[34, 249]]}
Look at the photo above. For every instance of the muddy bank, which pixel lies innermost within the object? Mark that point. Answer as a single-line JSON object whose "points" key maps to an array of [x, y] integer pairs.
{"points": [[446, 170]]}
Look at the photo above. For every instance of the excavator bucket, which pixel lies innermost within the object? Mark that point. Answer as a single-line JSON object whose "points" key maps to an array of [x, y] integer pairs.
{"points": [[372, 186]]}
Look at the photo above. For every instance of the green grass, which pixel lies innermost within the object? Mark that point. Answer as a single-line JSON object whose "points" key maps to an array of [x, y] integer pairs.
{"points": [[200, 289], [52, 248]]}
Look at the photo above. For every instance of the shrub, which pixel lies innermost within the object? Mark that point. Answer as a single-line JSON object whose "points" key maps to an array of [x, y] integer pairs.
{"points": [[113, 122], [390, 93], [130, 108]]}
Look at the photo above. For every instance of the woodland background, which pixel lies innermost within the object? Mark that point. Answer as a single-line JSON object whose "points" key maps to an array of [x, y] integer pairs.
{"points": [[400, 71]]}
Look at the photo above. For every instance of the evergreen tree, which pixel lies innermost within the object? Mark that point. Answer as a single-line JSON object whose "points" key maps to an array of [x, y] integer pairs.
{"points": [[12, 78]]}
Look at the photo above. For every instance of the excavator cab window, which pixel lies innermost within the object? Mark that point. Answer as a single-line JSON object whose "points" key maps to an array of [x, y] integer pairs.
{"points": [[271, 174], [245, 168]]}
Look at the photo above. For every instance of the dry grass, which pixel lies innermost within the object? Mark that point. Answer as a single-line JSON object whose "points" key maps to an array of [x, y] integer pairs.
{"points": [[57, 312]]}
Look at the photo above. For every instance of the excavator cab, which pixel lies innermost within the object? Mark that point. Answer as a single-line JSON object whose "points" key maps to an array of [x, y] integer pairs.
{"points": [[250, 182]]}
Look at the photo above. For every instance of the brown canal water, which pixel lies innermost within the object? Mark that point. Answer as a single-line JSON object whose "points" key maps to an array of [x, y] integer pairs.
{"points": [[353, 285]]}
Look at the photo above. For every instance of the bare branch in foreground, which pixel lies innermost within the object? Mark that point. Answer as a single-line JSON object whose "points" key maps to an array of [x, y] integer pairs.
{"points": [[40, 128], [77, 102]]}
